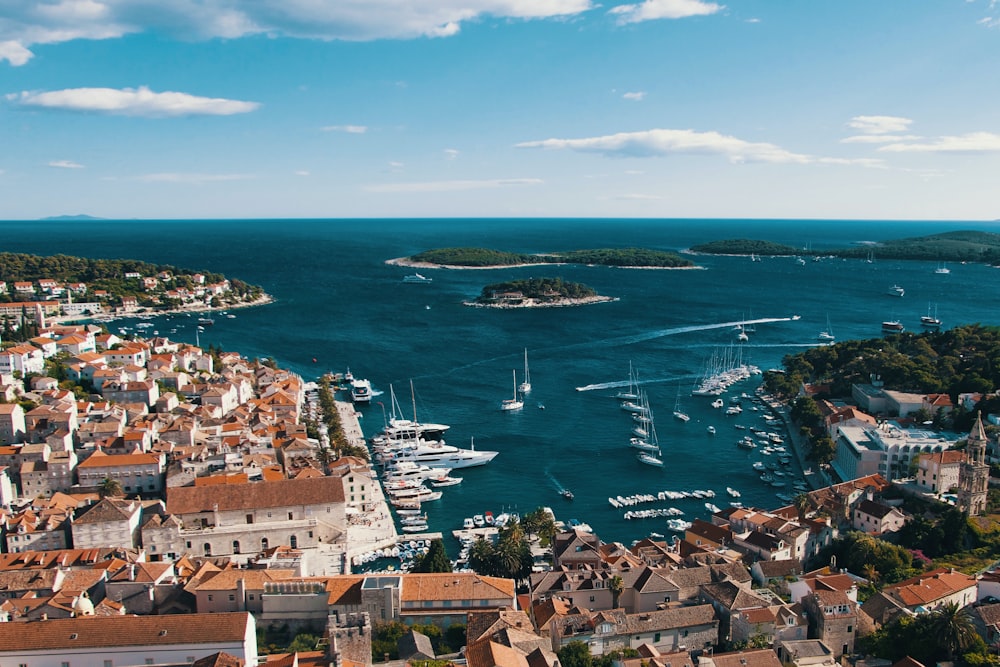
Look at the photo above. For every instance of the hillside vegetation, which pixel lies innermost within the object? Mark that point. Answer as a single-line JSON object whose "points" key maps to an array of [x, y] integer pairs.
{"points": [[625, 257], [542, 289]]}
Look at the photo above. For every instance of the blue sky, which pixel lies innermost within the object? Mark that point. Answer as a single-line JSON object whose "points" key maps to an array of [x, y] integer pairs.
{"points": [[410, 108]]}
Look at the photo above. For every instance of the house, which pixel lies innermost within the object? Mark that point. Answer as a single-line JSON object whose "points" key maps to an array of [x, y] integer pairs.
{"points": [[236, 590], [922, 594], [99, 641], [876, 518], [754, 658], [833, 619], [938, 473], [806, 653], [691, 628], [12, 426], [23, 359], [111, 521], [576, 549], [137, 473]]}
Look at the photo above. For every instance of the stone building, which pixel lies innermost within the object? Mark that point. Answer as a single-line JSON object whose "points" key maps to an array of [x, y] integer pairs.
{"points": [[833, 619], [974, 475]]}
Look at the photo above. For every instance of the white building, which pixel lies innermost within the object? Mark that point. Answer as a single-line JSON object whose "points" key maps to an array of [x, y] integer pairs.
{"points": [[887, 450]]}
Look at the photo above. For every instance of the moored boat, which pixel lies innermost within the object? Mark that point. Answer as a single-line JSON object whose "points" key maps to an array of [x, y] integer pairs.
{"points": [[417, 278], [895, 290], [515, 403], [892, 326]]}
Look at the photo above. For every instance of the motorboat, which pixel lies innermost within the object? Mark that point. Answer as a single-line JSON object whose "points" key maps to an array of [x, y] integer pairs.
{"points": [[892, 327], [896, 290], [567, 494], [361, 390], [417, 278], [445, 480], [717, 403], [439, 455], [711, 429]]}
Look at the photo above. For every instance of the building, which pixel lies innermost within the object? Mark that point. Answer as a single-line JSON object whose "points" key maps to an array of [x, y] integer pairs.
{"points": [[974, 475], [833, 619], [886, 450], [111, 521], [103, 641], [938, 473], [12, 426], [137, 473]]}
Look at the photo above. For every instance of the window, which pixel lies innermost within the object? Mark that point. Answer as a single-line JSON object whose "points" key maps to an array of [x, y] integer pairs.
{"points": [[685, 634], [310, 533], [591, 598], [293, 542], [208, 548], [232, 597], [290, 517], [850, 629], [108, 663], [149, 661], [249, 518], [656, 638], [250, 596], [65, 664], [236, 546], [210, 598], [263, 543]]}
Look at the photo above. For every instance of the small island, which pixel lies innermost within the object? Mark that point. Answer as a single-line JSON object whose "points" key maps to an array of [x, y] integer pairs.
{"points": [[537, 293], [486, 258], [744, 247]]}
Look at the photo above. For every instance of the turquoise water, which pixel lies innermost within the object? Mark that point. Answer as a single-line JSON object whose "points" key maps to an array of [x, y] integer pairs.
{"points": [[338, 302]]}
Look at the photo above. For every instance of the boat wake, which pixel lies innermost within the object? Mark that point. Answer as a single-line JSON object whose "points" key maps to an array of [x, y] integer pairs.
{"points": [[624, 383]]}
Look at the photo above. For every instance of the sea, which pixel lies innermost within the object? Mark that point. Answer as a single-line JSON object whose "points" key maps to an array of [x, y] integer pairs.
{"points": [[338, 305]]}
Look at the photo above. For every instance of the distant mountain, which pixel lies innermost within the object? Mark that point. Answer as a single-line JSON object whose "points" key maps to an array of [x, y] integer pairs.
{"points": [[79, 216]]}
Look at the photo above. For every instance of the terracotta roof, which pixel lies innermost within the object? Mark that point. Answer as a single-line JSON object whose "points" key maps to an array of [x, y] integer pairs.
{"points": [[67, 635], [760, 658], [101, 460], [930, 586], [280, 493], [252, 579], [455, 586], [220, 659], [345, 590]]}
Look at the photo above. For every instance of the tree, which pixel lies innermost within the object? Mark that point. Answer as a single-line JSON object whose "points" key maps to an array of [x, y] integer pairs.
{"points": [[802, 505], [110, 488], [435, 560], [575, 654], [953, 628], [617, 586]]}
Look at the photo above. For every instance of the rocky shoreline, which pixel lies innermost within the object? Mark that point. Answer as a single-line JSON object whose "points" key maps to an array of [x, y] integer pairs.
{"points": [[542, 303], [407, 262]]}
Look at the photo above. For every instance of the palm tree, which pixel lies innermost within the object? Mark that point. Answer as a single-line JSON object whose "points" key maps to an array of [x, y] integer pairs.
{"points": [[802, 505], [871, 574], [110, 488], [617, 586], [953, 628]]}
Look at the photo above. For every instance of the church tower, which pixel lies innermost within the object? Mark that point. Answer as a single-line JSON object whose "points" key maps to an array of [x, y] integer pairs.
{"points": [[974, 475]]}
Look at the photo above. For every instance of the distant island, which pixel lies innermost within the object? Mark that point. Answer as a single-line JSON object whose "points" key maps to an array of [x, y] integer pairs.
{"points": [[536, 293], [70, 218], [958, 246], [485, 258]]}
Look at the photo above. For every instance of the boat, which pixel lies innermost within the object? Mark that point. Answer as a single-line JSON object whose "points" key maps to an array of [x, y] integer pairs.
{"points": [[733, 492], [479, 521], [361, 391], [525, 386], [717, 403], [205, 321], [417, 528], [942, 269], [399, 428], [632, 393], [437, 455], [678, 413], [929, 321], [649, 453], [678, 525], [896, 290], [827, 334], [445, 480], [643, 444], [417, 278], [742, 335], [892, 327], [567, 494], [711, 429], [515, 403]]}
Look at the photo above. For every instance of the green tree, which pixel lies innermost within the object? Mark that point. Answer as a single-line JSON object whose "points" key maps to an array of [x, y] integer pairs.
{"points": [[575, 654], [617, 586], [953, 628], [110, 488], [435, 560]]}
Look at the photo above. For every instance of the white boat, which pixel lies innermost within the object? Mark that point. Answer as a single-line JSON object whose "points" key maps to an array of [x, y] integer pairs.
{"points": [[678, 525], [892, 326], [733, 492], [826, 335], [361, 391], [678, 413], [515, 403], [445, 480], [896, 290], [479, 520], [439, 455], [525, 386], [401, 429], [418, 528], [942, 269], [643, 444], [711, 429], [742, 335], [717, 403], [650, 458], [417, 278], [929, 321], [632, 392]]}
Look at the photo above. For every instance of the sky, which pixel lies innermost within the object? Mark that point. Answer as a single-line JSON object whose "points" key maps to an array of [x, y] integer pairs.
{"points": [[500, 108]]}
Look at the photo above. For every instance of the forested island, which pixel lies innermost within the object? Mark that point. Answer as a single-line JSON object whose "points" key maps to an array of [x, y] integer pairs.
{"points": [[957, 246], [536, 293], [482, 258]]}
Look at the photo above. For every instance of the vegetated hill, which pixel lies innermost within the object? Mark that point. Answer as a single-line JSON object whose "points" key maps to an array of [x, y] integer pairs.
{"points": [[957, 246], [543, 289], [628, 257], [474, 257], [744, 247]]}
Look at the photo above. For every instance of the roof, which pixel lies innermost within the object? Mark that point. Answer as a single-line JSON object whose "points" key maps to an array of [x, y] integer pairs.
{"points": [[252, 579], [100, 631], [930, 586], [109, 509], [759, 658], [455, 586], [101, 460], [279, 493]]}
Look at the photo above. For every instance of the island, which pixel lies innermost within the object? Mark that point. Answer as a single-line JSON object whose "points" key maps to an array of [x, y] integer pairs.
{"points": [[536, 293], [957, 246], [486, 258], [64, 286]]}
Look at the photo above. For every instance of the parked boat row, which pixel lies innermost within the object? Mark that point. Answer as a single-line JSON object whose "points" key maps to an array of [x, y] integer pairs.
{"points": [[654, 513]]}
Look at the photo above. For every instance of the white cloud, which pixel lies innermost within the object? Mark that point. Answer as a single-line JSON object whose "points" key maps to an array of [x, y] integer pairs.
{"points": [[24, 24], [637, 96], [661, 142], [989, 21], [132, 102], [396, 166], [65, 164], [450, 153], [301, 172], [878, 138], [879, 124], [972, 142], [191, 179], [871, 163], [753, 20], [663, 9], [350, 129], [453, 186]]}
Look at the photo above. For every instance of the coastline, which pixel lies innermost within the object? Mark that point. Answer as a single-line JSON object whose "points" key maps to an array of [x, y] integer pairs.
{"points": [[536, 303], [263, 300], [407, 262]]}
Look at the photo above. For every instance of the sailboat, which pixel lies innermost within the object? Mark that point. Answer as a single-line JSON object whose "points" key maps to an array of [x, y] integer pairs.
{"points": [[678, 413], [514, 403], [525, 387], [649, 446], [826, 335], [929, 321], [632, 393], [942, 269]]}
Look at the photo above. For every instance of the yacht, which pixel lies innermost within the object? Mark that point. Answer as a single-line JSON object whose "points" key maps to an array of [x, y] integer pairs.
{"points": [[896, 290], [440, 455], [942, 269], [417, 278], [929, 321], [515, 403], [361, 391], [892, 326]]}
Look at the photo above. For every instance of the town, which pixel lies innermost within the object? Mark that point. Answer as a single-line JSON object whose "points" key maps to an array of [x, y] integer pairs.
{"points": [[186, 507]]}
